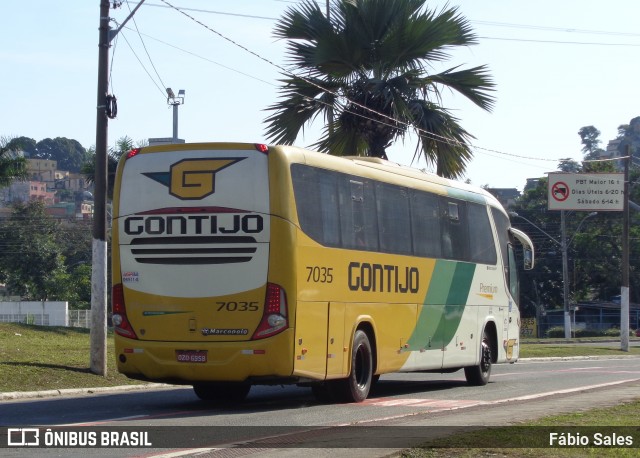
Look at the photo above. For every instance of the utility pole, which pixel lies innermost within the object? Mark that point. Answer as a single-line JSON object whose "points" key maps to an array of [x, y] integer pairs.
{"points": [[98, 336], [624, 290]]}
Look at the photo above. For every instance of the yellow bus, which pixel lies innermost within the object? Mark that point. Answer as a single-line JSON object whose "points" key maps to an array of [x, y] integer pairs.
{"points": [[241, 264]]}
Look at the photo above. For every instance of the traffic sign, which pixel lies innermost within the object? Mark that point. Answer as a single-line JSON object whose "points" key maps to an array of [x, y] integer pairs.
{"points": [[586, 191]]}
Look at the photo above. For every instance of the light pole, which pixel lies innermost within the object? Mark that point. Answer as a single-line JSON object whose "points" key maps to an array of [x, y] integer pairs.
{"points": [[564, 248], [174, 101]]}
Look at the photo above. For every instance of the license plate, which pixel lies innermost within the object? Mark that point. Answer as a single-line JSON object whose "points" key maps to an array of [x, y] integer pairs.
{"points": [[191, 356]]}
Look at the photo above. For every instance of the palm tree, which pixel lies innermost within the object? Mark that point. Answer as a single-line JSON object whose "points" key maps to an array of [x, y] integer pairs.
{"points": [[123, 146], [12, 166], [369, 62]]}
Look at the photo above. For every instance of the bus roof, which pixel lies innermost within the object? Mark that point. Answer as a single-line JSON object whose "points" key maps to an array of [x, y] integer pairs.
{"points": [[368, 167], [388, 171]]}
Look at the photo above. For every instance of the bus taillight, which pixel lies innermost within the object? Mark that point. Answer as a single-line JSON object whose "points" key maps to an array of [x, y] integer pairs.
{"points": [[262, 148], [274, 317], [133, 152], [120, 322]]}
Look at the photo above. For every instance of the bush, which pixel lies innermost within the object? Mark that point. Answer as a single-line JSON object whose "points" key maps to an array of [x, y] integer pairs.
{"points": [[558, 332], [587, 333], [615, 332]]}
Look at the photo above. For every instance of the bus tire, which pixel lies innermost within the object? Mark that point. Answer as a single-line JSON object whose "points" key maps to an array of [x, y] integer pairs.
{"points": [[355, 388], [221, 391], [479, 375]]}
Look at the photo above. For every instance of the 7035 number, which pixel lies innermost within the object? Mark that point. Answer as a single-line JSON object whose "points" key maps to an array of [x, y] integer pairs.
{"points": [[237, 306], [317, 274]]}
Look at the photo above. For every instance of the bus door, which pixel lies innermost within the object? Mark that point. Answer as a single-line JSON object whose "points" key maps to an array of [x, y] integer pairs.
{"points": [[513, 316], [310, 345]]}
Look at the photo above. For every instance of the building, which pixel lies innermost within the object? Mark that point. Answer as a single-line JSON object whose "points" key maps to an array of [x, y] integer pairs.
{"points": [[42, 170], [506, 196], [25, 191]]}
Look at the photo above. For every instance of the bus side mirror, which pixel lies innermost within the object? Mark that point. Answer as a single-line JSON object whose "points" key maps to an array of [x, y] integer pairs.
{"points": [[528, 257]]}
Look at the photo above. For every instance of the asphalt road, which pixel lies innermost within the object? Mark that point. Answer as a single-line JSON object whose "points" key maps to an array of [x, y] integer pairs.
{"points": [[403, 410]]}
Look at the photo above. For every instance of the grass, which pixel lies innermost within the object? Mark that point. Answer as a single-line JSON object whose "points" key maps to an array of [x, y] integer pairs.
{"points": [[36, 358], [563, 350], [587, 423], [478, 443]]}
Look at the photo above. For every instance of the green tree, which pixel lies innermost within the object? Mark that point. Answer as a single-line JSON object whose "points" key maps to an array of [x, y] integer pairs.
{"points": [[30, 260], [12, 165], [69, 154], [590, 137], [26, 144], [590, 142], [595, 251], [568, 165], [370, 63], [42, 258], [79, 278], [123, 145]]}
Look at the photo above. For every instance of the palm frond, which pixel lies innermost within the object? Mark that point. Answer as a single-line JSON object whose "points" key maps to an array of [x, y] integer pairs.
{"points": [[370, 61], [473, 83], [443, 142], [302, 100]]}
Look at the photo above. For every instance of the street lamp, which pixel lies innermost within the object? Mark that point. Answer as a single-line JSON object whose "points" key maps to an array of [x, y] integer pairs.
{"points": [[175, 101], [564, 247]]}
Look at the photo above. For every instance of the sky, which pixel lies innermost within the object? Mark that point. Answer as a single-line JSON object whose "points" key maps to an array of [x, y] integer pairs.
{"points": [[557, 65]]}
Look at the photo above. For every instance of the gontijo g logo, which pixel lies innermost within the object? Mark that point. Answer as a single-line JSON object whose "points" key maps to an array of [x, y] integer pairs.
{"points": [[191, 179]]}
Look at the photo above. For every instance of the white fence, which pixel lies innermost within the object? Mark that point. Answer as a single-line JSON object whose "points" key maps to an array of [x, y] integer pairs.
{"points": [[45, 313], [80, 318]]}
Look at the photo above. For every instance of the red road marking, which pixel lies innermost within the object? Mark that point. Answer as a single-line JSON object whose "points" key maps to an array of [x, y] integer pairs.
{"points": [[435, 403]]}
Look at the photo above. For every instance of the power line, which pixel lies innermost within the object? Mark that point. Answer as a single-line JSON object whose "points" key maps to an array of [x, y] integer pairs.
{"points": [[559, 42], [338, 96], [427, 134], [555, 29], [143, 66], [206, 59], [489, 23], [200, 10], [145, 48]]}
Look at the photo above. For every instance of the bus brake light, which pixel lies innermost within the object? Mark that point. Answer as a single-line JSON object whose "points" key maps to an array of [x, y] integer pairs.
{"points": [[133, 152], [274, 318], [262, 148], [120, 322]]}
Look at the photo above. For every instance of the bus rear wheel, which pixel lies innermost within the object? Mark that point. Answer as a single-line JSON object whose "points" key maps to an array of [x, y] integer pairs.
{"points": [[355, 388], [222, 391], [479, 375]]}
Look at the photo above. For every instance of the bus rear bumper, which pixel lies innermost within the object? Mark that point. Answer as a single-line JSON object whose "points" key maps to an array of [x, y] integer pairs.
{"points": [[187, 362]]}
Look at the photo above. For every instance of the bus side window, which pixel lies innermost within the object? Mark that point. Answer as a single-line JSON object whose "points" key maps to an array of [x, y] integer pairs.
{"points": [[502, 227], [357, 211], [425, 222], [394, 228], [455, 237], [482, 248]]}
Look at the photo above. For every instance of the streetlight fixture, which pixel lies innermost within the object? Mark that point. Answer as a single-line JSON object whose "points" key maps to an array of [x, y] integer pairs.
{"points": [[175, 102], [564, 247]]}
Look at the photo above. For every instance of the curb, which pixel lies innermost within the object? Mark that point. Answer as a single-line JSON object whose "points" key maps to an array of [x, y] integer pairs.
{"points": [[81, 391], [576, 358]]}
